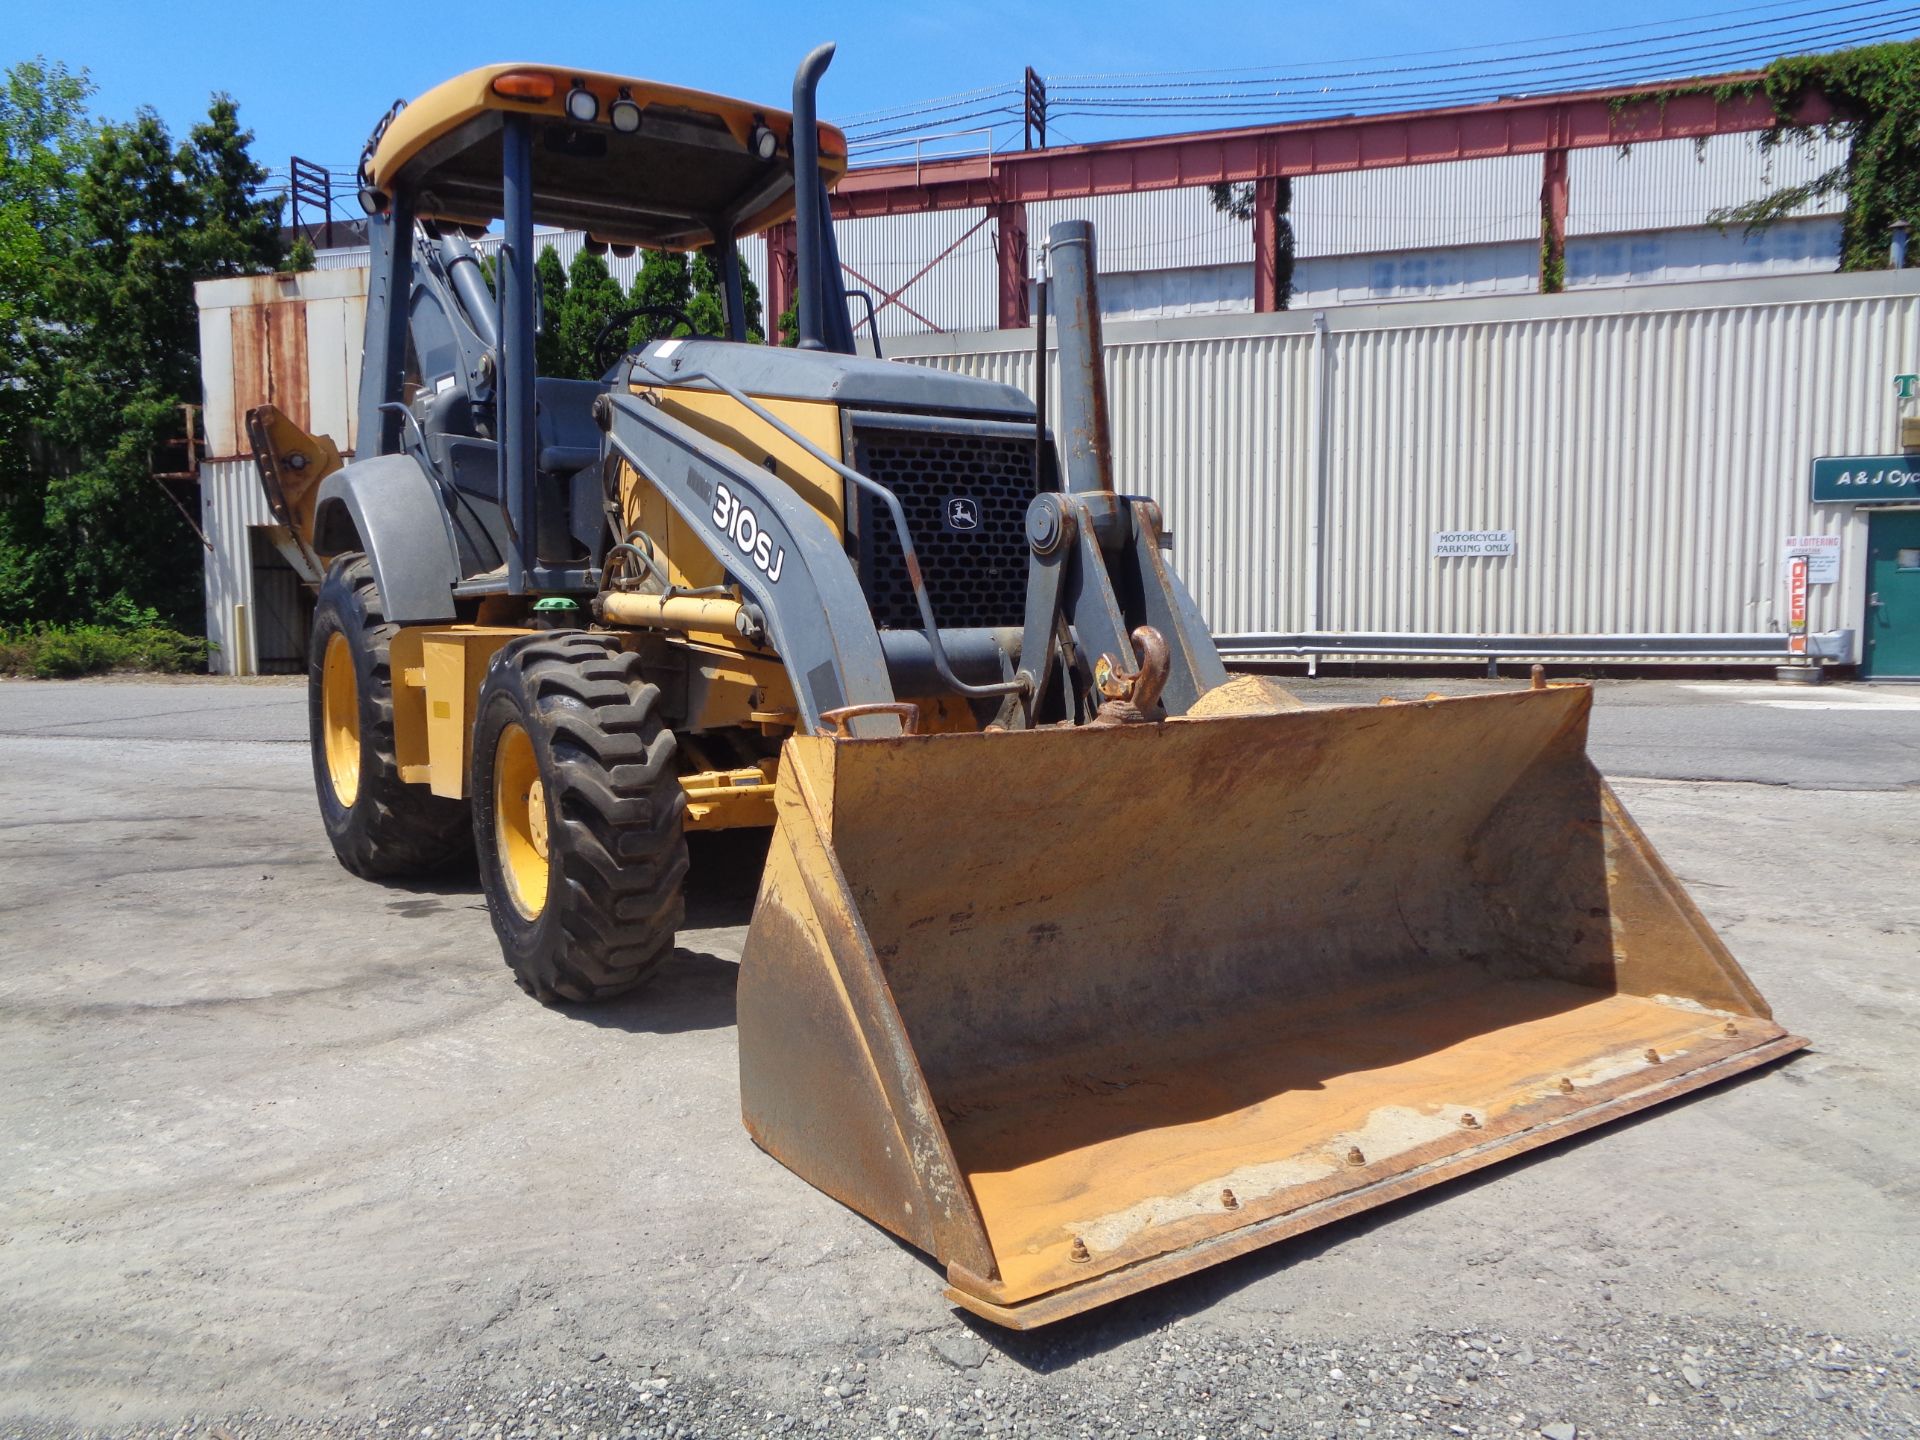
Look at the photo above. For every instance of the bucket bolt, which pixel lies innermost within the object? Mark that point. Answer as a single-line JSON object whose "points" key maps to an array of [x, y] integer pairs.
{"points": [[1653, 1057], [1079, 1254], [1230, 1200], [1731, 1028], [1566, 1085], [1355, 1156], [1470, 1120]]}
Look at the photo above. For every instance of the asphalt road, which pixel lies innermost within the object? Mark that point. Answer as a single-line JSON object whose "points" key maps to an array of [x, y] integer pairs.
{"points": [[1834, 737], [283, 1152]]}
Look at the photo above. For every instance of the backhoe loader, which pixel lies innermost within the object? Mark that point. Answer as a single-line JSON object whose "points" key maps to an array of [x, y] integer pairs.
{"points": [[1076, 962]]}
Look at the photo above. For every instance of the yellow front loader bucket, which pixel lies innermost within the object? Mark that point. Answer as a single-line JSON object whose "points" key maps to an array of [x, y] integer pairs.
{"points": [[1081, 1010]]}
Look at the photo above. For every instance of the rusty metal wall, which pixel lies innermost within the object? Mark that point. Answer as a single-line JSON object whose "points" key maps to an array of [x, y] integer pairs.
{"points": [[1649, 449], [290, 340]]}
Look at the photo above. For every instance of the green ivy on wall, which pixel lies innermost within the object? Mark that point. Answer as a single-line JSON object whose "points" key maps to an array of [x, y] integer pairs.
{"points": [[1875, 95]]}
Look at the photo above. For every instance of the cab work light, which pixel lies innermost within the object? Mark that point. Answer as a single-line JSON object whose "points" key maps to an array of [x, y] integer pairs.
{"points": [[582, 104]]}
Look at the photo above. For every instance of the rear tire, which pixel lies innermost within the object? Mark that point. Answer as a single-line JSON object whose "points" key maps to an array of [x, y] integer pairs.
{"points": [[381, 827], [578, 817]]}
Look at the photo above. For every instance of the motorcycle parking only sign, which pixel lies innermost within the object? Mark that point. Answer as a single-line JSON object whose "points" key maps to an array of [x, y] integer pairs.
{"points": [[1450, 544]]}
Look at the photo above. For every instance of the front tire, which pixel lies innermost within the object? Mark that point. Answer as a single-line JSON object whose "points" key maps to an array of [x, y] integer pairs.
{"points": [[381, 827], [578, 817]]}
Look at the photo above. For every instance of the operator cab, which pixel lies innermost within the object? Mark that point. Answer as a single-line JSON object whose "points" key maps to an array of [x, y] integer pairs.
{"points": [[632, 163]]}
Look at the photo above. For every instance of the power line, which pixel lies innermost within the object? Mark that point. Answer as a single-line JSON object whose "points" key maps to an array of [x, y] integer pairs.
{"points": [[1621, 55], [1652, 65], [1553, 40], [938, 100], [1824, 13], [1864, 25]]}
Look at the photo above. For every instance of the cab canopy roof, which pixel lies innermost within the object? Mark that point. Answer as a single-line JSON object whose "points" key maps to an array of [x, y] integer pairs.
{"points": [[692, 165]]}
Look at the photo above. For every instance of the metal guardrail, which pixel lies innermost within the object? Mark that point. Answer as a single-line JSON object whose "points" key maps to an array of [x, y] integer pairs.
{"points": [[1835, 646]]}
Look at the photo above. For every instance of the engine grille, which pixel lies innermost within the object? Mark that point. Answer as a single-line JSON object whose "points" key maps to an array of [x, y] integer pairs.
{"points": [[974, 576]]}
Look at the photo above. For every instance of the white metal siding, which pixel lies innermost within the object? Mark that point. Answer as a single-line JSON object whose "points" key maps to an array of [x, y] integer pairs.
{"points": [[1661, 257], [1649, 449], [1667, 184], [1159, 230], [230, 502], [1508, 269], [960, 288], [1413, 207]]}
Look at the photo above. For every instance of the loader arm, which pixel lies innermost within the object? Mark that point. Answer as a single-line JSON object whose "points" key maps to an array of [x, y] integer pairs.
{"points": [[787, 559]]}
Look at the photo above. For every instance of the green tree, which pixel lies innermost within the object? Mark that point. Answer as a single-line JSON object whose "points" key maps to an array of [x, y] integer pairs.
{"points": [[88, 532], [551, 276], [234, 230], [300, 254], [708, 307], [44, 132], [664, 279], [1875, 95], [592, 296]]}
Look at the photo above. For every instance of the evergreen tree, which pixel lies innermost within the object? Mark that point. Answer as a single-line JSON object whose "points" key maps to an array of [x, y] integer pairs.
{"points": [[300, 255], [233, 232], [663, 280], [592, 296], [551, 276], [708, 307]]}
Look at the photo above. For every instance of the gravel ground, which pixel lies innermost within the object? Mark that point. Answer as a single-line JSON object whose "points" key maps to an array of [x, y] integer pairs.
{"points": [[285, 1154], [1670, 1379]]}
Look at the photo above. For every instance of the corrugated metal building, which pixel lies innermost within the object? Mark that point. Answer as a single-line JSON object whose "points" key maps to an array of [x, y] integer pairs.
{"points": [[1647, 448], [292, 341], [1240, 420], [1636, 215]]}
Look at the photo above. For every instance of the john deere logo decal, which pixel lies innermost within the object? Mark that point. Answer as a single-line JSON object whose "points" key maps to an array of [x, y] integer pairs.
{"points": [[962, 513]]}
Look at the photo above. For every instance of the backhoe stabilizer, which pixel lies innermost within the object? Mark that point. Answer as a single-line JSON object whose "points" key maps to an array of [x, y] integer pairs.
{"points": [[1081, 1010]]}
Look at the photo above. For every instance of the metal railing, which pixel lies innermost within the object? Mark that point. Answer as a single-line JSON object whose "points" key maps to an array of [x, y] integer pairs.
{"points": [[1833, 646]]}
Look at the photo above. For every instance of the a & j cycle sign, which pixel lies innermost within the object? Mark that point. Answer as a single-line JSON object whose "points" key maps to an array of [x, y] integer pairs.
{"points": [[1867, 479]]}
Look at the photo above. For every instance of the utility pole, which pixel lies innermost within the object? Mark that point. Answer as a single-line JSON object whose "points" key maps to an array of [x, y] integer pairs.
{"points": [[313, 185], [1036, 110]]}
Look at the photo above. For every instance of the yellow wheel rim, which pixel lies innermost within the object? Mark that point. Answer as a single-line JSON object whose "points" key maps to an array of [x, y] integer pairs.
{"points": [[340, 719], [520, 820]]}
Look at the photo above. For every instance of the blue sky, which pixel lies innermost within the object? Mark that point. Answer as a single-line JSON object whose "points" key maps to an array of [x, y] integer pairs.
{"points": [[311, 78]]}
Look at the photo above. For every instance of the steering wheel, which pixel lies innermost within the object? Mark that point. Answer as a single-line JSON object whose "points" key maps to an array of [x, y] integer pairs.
{"points": [[617, 325]]}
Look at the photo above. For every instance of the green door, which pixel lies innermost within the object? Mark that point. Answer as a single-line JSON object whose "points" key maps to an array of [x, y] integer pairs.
{"points": [[1893, 596]]}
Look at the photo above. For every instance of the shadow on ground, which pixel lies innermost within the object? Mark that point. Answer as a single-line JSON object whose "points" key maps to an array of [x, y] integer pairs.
{"points": [[694, 988]]}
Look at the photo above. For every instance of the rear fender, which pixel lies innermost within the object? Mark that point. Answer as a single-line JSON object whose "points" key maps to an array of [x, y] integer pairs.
{"points": [[388, 507]]}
